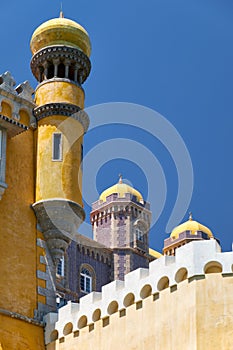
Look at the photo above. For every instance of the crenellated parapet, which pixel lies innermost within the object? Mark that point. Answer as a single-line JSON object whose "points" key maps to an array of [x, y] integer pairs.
{"points": [[164, 282], [16, 105]]}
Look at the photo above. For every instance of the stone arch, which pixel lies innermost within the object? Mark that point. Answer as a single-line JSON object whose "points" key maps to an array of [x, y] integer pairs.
{"points": [[112, 307], [129, 299], [6, 108], [68, 328], [181, 275], [50, 74], [61, 70], [82, 322], [213, 267], [163, 283], [96, 315], [24, 116], [146, 291], [54, 335]]}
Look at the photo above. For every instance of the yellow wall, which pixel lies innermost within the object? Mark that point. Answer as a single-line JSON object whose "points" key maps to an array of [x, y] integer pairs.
{"points": [[196, 316], [59, 91], [20, 335], [18, 250], [18, 228], [6, 109], [24, 117], [59, 179]]}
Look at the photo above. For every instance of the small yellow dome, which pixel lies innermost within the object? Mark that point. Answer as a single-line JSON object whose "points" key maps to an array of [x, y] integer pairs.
{"points": [[155, 253], [121, 189], [60, 31], [192, 226]]}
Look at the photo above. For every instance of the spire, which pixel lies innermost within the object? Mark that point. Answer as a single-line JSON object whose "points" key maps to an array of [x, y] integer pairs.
{"points": [[120, 179], [190, 216], [61, 12]]}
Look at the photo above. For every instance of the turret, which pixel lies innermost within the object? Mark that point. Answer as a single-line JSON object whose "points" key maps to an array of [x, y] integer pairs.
{"points": [[186, 232], [60, 63], [121, 221]]}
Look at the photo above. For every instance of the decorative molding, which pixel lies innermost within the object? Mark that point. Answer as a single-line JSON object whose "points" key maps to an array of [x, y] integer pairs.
{"points": [[21, 317], [12, 126], [66, 109]]}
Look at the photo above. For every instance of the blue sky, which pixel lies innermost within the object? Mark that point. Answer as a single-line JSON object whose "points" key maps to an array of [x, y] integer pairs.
{"points": [[173, 56]]}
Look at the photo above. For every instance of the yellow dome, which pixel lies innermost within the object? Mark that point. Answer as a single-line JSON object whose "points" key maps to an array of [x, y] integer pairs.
{"points": [[60, 31], [192, 226], [154, 253], [121, 189]]}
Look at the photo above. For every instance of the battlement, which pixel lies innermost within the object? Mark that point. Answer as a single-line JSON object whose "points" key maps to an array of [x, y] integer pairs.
{"points": [[192, 262], [16, 105]]}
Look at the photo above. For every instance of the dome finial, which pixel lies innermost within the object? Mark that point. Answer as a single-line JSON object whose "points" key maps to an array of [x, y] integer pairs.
{"points": [[61, 12], [190, 216], [120, 179]]}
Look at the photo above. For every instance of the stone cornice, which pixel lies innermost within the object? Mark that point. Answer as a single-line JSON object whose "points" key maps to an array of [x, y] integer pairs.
{"points": [[21, 317], [12, 126], [65, 109]]}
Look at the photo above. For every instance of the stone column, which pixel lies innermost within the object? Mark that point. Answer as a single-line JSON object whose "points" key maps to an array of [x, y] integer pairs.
{"points": [[45, 70], [76, 69], [56, 63], [67, 66]]}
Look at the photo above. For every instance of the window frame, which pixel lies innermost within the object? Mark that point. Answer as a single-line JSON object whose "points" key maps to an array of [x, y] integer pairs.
{"points": [[60, 158], [91, 274], [3, 139], [87, 278], [61, 267], [139, 235]]}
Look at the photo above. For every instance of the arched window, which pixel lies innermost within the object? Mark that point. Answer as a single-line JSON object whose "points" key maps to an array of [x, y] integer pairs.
{"points": [[85, 280]]}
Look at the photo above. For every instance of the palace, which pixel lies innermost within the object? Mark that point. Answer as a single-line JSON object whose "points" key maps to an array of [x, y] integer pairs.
{"points": [[61, 289]]}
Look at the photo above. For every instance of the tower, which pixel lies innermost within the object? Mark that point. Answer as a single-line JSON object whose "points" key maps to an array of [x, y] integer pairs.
{"points": [[60, 63], [121, 221], [188, 231]]}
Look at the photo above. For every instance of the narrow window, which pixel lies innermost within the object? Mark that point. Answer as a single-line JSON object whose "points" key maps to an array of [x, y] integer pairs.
{"points": [[61, 267], [139, 235], [81, 156], [3, 185], [85, 281], [57, 146], [0, 144]]}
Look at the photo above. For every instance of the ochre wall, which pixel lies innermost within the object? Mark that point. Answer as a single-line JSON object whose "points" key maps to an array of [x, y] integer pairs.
{"points": [[59, 91], [196, 316], [20, 335], [59, 179], [18, 228], [18, 250]]}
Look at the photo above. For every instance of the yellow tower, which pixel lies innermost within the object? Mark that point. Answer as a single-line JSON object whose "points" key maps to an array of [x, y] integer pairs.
{"points": [[60, 63]]}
